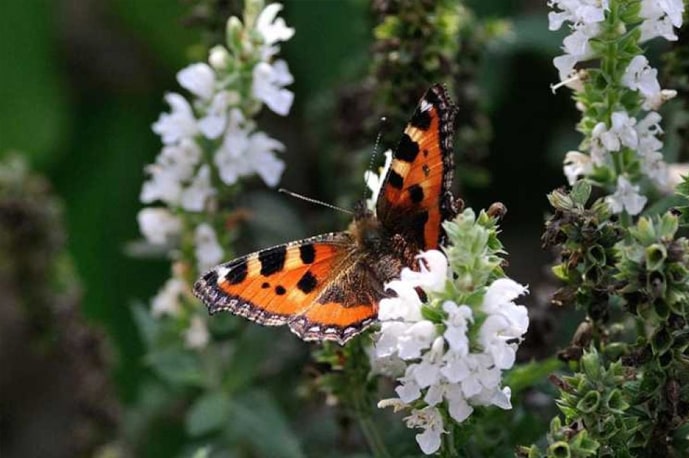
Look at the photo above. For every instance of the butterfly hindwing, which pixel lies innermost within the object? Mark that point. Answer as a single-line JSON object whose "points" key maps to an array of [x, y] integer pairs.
{"points": [[416, 197], [302, 283]]}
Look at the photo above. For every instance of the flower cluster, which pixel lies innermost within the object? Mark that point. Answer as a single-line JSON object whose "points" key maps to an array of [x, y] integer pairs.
{"points": [[625, 122], [210, 141], [448, 352]]}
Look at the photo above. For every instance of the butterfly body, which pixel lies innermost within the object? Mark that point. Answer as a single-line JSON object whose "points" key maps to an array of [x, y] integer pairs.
{"points": [[328, 287]]}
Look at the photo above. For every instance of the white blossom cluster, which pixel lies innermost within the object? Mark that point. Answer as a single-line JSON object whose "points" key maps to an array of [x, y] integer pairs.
{"points": [[440, 368], [210, 139], [657, 18]]}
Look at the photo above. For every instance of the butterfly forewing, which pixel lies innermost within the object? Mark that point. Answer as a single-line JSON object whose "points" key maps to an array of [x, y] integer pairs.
{"points": [[416, 197]]}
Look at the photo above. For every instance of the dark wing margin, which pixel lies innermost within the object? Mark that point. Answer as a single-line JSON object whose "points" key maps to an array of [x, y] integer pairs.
{"points": [[416, 193]]}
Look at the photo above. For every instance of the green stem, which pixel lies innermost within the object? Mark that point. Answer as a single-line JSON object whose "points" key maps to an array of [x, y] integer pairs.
{"points": [[367, 425], [448, 448]]}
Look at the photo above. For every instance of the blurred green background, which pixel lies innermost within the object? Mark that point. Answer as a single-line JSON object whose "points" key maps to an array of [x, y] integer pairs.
{"points": [[81, 82]]}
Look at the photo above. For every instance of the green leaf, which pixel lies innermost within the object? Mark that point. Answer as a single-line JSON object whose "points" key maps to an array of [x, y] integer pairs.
{"points": [[145, 323], [176, 366], [257, 419], [527, 375], [581, 191], [209, 413]]}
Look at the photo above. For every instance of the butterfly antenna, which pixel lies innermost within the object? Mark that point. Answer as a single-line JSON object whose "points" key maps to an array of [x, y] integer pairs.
{"points": [[374, 154], [314, 201]]}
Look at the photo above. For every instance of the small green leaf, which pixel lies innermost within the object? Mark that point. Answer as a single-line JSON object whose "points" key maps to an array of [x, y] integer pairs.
{"points": [[581, 191], [145, 323], [209, 413], [258, 420], [176, 366]]}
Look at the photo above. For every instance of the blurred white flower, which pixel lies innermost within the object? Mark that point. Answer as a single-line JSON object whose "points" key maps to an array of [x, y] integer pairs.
{"points": [[626, 197], [213, 123], [268, 85], [209, 253], [195, 196], [168, 300], [577, 165], [199, 79], [197, 336], [177, 125], [243, 154], [273, 29], [374, 181], [158, 225]]}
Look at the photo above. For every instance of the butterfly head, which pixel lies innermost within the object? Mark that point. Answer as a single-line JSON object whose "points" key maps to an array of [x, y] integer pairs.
{"points": [[366, 228]]}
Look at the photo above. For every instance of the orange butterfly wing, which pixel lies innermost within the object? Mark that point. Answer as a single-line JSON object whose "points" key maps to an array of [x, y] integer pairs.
{"points": [[416, 195], [298, 284]]}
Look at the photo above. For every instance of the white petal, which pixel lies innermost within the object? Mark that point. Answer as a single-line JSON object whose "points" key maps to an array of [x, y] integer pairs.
{"points": [[199, 79]]}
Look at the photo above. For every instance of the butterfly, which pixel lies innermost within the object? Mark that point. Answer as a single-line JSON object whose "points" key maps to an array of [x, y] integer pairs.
{"points": [[328, 287]]}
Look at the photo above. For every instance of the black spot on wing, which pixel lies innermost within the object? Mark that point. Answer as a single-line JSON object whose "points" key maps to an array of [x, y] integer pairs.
{"points": [[307, 283], [395, 179], [307, 253], [418, 225], [265, 285], [415, 193], [237, 273], [421, 119], [272, 260], [407, 150], [280, 290]]}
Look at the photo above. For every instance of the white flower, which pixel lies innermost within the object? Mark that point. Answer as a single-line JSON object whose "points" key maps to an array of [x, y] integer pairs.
{"points": [[199, 79], [213, 123], [273, 29], [194, 197], [158, 225], [501, 292], [578, 12], [457, 404], [168, 300], [196, 336], [243, 153], [208, 251], [577, 165], [415, 338], [654, 166], [660, 16], [458, 319], [621, 133], [432, 273], [626, 197], [177, 125], [374, 181], [577, 49], [406, 306], [268, 86], [431, 421]]}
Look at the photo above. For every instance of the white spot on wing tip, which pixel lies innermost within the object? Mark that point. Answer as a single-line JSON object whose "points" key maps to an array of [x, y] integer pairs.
{"points": [[222, 273], [425, 106]]}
